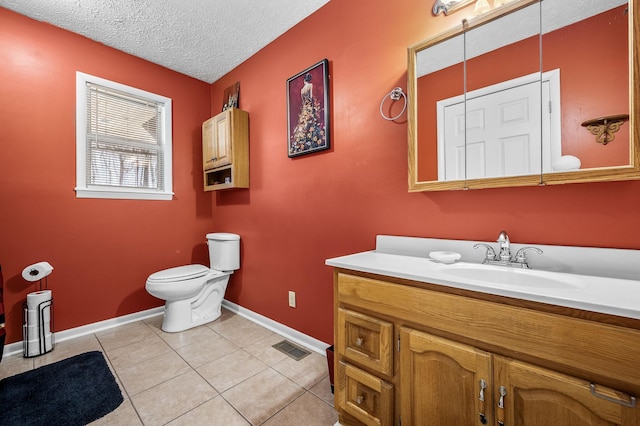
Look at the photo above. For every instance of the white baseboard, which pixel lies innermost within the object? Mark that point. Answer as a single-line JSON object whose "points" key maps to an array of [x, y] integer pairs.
{"points": [[72, 333], [281, 329], [294, 335]]}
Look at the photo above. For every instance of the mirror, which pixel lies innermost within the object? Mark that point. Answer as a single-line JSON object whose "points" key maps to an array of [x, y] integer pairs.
{"points": [[533, 92]]}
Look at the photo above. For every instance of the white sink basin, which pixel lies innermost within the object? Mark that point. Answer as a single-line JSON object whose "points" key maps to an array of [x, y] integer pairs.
{"points": [[508, 276]]}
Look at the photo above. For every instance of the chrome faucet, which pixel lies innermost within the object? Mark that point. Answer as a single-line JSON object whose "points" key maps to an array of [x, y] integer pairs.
{"points": [[503, 258], [505, 246]]}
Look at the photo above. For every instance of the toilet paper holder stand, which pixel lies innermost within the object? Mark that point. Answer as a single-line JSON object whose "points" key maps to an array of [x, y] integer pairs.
{"points": [[45, 340]]}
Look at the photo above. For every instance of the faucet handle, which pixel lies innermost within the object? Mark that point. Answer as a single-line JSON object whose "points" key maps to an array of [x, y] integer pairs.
{"points": [[491, 253], [522, 258]]}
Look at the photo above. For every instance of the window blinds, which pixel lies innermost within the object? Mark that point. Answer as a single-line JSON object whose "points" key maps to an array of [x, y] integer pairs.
{"points": [[124, 140]]}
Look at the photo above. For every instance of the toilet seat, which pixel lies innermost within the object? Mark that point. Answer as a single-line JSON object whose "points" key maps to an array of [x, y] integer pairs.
{"points": [[179, 273]]}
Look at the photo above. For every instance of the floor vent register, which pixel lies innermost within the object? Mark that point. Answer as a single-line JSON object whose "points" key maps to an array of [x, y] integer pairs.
{"points": [[291, 350]]}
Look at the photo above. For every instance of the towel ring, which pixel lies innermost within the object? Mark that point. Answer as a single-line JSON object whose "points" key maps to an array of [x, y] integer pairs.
{"points": [[394, 95]]}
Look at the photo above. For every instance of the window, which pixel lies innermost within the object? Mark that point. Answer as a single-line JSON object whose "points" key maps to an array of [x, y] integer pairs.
{"points": [[123, 141]]}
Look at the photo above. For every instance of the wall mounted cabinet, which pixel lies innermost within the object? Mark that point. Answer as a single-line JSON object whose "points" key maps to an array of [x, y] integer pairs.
{"points": [[412, 353], [225, 150]]}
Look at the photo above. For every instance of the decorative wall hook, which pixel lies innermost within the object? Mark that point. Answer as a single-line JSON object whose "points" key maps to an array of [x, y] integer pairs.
{"points": [[394, 95], [604, 127]]}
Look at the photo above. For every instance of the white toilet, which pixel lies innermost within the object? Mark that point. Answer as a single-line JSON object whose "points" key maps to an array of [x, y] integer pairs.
{"points": [[194, 293]]}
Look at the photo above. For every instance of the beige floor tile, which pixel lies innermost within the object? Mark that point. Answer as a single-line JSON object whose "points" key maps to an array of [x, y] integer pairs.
{"points": [[264, 351], [206, 350], [136, 352], [171, 399], [231, 369], [214, 412], [307, 410], [187, 337], [306, 372], [322, 390], [142, 376], [15, 364], [124, 335], [241, 331], [155, 323], [124, 415], [68, 349], [263, 395]]}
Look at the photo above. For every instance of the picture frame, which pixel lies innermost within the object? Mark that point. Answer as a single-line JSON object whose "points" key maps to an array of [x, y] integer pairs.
{"points": [[308, 110], [231, 97]]}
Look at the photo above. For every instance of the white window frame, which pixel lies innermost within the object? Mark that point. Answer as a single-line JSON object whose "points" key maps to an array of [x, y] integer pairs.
{"points": [[83, 190]]}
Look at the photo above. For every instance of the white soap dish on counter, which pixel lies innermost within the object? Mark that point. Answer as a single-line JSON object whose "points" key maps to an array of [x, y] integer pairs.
{"points": [[445, 256]]}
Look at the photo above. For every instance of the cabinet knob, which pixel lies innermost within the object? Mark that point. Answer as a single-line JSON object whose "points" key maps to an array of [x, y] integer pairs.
{"points": [[359, 399], [359, 341]]}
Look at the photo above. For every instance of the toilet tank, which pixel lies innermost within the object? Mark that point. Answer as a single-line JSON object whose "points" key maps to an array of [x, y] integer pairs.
{"points": [[224, 251]]}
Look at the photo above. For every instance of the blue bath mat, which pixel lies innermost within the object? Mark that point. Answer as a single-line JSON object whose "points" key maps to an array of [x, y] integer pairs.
{"points": [[74, 391]]}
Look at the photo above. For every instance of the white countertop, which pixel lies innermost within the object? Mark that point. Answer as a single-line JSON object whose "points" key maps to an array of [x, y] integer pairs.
{"points": [[614, 296]]}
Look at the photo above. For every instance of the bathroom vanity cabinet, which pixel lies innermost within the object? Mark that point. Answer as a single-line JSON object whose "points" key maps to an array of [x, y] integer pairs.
{"points": [[225, 150], [414, 353]]}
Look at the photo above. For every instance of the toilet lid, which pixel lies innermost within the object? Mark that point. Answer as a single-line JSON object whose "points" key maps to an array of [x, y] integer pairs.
{"points": [[179, 273]]}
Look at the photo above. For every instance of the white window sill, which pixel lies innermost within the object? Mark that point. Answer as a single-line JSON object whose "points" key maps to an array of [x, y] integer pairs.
{"points": [[123, 194]]}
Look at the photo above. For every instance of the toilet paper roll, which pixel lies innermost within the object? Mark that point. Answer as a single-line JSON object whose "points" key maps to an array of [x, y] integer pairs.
{"points": [[34, 316], [32, 332], [37, 347], [36, 298], [37, 271]]}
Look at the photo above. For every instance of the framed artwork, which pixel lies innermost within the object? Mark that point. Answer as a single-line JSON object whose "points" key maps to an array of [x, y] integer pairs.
{"points": [[231, 96], [308, 110]]}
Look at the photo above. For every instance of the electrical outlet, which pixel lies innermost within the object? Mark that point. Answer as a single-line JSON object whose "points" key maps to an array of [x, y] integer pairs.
{"points": [[292, 299]]}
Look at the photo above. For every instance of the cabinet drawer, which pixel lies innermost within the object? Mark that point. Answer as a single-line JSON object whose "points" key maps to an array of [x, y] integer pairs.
{"points": [[365, 340], [364, 396]]}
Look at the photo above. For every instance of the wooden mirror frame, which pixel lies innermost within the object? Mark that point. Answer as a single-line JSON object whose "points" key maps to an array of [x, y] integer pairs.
{"points": [[599, 174]]}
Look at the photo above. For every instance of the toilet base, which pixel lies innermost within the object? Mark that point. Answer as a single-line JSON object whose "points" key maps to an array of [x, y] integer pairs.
{"points": [[180, 315], [175, 323]]}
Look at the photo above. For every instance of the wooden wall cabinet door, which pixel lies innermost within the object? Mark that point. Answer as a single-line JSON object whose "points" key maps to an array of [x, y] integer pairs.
{"points": [[537, 396], [225, 150], [443, 382], [216, 149]]}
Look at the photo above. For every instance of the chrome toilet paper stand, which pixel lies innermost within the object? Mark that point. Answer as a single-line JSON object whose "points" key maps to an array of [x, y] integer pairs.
{"points": [[42, 284]]}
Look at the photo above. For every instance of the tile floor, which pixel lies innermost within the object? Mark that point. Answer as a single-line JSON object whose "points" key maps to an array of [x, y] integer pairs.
{"points": [[222, 373]]}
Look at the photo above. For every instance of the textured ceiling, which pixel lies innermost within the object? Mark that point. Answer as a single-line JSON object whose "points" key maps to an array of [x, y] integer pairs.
{"points": [[204, 39]]}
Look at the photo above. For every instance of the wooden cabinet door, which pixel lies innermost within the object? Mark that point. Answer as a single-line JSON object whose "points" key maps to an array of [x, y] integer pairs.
{"points": [[216, 141], [443, 383], [537, 396]]}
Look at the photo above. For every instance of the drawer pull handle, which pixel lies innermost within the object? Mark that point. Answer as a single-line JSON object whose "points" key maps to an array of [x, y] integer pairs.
{"points": [[631, 403], [359, 341], [359, 399]]}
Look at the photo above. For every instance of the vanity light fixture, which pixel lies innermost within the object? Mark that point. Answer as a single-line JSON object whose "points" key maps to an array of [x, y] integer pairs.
{"points": [[604, 128]]}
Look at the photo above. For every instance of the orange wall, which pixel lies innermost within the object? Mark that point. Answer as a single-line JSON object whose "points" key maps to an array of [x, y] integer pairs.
{"points": [[101, 250], [301, 211], [297, 213]]}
